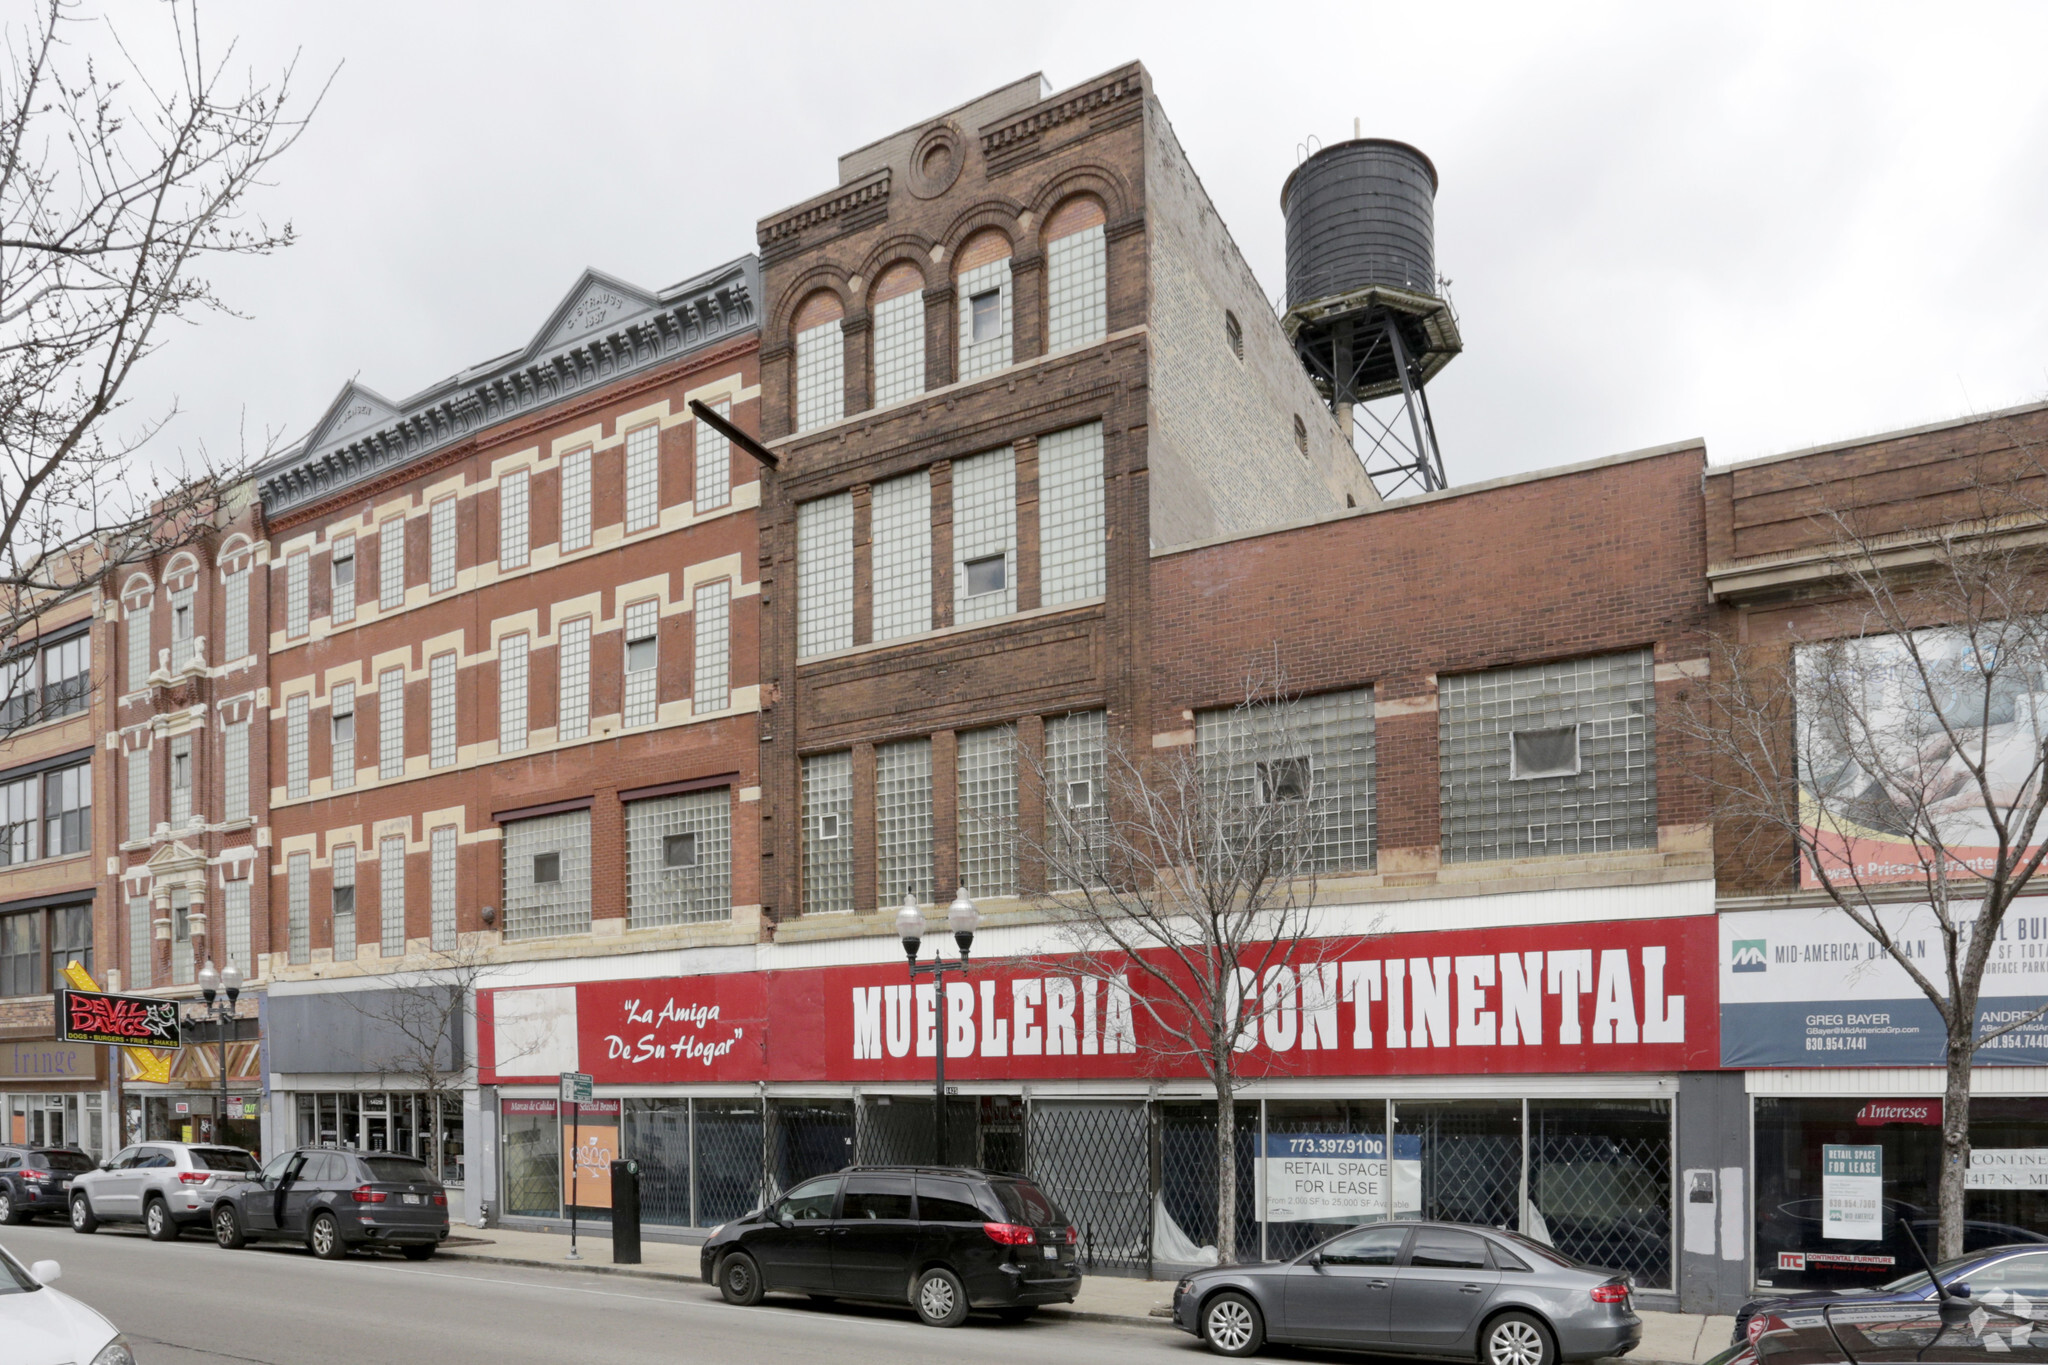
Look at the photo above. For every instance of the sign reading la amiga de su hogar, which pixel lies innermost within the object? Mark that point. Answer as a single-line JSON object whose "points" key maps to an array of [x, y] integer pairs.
{"points": [[1634, 995]]}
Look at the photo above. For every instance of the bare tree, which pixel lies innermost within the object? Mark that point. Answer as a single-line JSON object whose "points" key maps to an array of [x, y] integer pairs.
{"points": [[418, 1022], [118, 193], [1182, 882], [1898, 750]]}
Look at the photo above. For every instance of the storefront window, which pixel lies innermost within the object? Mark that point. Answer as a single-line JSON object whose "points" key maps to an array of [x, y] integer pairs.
{"points": [[658, 1137], [68, 1119], [1323, 1169], [532, 1160], [728, 1158], [1600, 1183], [1471, 1155], [387, 1121]]}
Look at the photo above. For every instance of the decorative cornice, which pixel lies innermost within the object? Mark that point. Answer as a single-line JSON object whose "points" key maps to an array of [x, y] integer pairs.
{"points": [[775, 233], [1117, 88], [602, 331]]}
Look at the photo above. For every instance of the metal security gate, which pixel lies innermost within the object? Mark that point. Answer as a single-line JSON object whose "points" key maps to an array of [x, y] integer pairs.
{"points": [[1184, 1210], [1094, 1157]]}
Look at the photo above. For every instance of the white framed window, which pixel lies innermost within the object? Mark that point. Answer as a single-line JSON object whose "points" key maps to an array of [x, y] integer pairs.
{"points": [[391, 723], [1076, 286], [576, 500], [344, 903], [573, 714], [298, 896], [138, 795], [341, 705], [828, 833], [1072, 544], [235, 645], [441, 874], [714, 461], [343, 573], [296, 784], [899, 335], [138, 649], [512, 693], [984, 536], [514, 488], [441, 710], [824, 575], [297, 606], [643, 662], [235, 763], [985, 322], [441, 546], [711, 687], [643, 477], [902, 550], [391, 564], [391, 894], [820, 375]]}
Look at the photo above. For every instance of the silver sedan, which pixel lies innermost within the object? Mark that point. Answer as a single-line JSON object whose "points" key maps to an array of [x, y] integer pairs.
{"points": [[1412, 1288]]}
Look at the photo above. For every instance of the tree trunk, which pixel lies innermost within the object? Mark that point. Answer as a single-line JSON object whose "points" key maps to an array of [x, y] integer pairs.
{"points": [[1955, 1136], [1226, 1176]]}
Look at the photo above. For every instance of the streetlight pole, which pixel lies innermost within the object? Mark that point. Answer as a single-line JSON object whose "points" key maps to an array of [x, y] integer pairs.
{"points": [[962, 918], [212, 984]]}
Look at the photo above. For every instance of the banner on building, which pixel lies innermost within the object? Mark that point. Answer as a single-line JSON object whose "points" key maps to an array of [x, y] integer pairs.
{"points": [[1808, 987], [123, 1020], [1628, 995]]}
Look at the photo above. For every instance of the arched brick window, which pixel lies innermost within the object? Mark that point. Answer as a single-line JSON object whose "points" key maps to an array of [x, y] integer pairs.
{"points": [[820, 361], [1076, 274], [983, 273], [899, 333]]}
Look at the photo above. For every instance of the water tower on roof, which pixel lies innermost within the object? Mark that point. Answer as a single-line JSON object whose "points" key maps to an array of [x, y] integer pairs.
{"points": [[1364, 307]]}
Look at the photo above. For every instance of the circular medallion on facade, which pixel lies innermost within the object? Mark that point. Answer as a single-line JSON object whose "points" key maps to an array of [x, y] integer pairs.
{"points": [[935, 161]]}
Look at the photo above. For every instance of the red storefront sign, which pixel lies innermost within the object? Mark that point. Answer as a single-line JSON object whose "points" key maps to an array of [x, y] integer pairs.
{"points": [[1880, 1112], [1631, 995]]}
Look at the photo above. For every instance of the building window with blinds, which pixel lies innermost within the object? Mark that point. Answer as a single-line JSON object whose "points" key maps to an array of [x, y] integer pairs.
{"points": [[711, 682], [984, 536], [824, 575], [902, 551], [1072, 543], [513, 491], [572, 719], [820, 361], [679, 859], [828, 833], [1076, 274], [898, 303], [512, 693], [903, 820], [547, 876], [391, 724], [391, 894], [643, 477]]}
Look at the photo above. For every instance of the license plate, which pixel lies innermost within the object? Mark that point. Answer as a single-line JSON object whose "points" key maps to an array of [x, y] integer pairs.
{"points": [[1052, 1253], [414, 1198]]}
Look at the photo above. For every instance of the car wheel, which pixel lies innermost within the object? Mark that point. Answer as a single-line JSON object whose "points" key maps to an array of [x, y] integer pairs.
{"points": [[739, 1280], [1516, 1339], [81, 1215], [227, 1229], [9, 1214], [1019, 1314], [940, 1298], [325, 1238], [417, 1253], [1232, 1326], [157, 1219]]}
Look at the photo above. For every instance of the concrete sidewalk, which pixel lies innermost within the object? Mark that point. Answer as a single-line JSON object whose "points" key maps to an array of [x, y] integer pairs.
{"points": [[1676, 1338]]}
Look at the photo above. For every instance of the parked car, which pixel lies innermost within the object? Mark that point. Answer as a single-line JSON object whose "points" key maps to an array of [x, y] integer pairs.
{"points": [[335, 1200], [1957, 1333], [1415, 1288], [165, 1186], [42, 1326], [37, 1180], [2021, 1268], [944, 1239]]}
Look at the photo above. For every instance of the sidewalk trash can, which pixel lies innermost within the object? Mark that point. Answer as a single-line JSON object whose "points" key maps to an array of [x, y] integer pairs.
{"points": [[625, 1213]]}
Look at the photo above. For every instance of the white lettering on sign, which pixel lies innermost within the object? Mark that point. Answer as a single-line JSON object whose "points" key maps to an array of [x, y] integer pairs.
{"points": [[685, 1044], [1084, 1017]]}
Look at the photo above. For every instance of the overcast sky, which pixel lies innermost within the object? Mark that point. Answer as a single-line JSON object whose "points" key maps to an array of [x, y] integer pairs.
{"points": [[1769, 226]]}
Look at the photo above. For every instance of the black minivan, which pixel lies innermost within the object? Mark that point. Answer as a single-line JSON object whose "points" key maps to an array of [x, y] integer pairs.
{"points": [[944, 1239]]}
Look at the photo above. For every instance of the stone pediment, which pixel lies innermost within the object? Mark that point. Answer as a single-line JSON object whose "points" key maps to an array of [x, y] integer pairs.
{"points": [[353, 410], [175, 861], [595, 303]]}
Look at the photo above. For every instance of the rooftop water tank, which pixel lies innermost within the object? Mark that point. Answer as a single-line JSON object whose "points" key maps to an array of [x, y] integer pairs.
{"points": [[1360, 213]]}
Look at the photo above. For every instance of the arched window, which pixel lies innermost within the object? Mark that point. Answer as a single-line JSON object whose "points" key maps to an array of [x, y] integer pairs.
{"points": [[899, 334], [983, 272], [1076, 274], [820, 362]]}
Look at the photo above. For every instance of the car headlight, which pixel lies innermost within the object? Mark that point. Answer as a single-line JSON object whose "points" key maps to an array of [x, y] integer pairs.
{"points": [[712, 1236], [115, 1352]]}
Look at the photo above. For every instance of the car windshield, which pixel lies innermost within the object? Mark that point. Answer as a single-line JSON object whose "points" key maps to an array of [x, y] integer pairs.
{"points": [[223, 1159], [1948, 1270], [396, 1170], [62, 1161], [14, 1279], [1028, 1204]]}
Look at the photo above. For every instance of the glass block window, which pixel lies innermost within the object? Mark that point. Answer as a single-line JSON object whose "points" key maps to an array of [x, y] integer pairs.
{"points": [[572, 719], [391, 723], [391, 894], [138, 795], [828, 833], [512, 693], [899, 348], [441, 710], [711, 685], [341, 721], [985, 329], [1603, 705], [984, 536], [987, 796], [236, 896], [903, 820], [514, 488], [139, 941], [138, 649], [1075, 767], [297, 608], [181, 782], [442, 844], [820, 375], [643, 477], [67, 807], [345, 903], [679, 859], [296, 724], [183, 969], [183, 627], [902, 550], [1077, 289], [1071, 540], [391, 564], [547, 876], [341, 572], [714, 462], [298, 907], [441, 546], [235, 776], [643, 662], [235, 645], [1313, 749], [824, 575], [576, 499]]}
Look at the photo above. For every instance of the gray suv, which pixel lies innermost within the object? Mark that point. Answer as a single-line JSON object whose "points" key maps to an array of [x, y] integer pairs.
{"points": [[165, 1186]]}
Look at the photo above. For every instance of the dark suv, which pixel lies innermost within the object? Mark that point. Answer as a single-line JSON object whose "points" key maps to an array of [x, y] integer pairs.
{"points": [[943, 1239], [37, 1180], [335, 1200]]}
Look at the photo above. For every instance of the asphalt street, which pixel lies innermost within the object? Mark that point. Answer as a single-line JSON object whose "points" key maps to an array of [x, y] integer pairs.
{"points": [[191, 1303]]}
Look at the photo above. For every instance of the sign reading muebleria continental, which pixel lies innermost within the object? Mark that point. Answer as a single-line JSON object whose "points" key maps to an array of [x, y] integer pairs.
{"points": [[1808, 987], [123, 1020]]}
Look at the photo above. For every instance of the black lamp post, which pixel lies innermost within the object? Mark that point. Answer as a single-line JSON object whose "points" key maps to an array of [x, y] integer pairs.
{"points": [[962, 918], [213, 984]]}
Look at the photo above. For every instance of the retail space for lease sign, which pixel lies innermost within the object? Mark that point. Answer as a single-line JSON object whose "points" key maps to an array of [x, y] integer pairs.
{"points": [[1808, 987], [1339, 1177]]}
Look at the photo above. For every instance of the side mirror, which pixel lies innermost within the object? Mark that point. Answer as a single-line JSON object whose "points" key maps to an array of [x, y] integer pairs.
{"points": [[1315, 1259], [107, 1164], [47, 1272]]}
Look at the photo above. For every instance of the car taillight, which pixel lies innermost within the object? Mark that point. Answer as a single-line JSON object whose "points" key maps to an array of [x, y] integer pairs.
{"points": [[365, 1195], [1009, 1234], [194, 1177], [1072, 1236], [442, 1200], [32, 1177], [1610, 1293]]}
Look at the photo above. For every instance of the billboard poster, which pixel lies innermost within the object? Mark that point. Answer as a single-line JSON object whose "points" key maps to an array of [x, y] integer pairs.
{"points": [[1852, 1192], [1807, 987], [124, 1020]]}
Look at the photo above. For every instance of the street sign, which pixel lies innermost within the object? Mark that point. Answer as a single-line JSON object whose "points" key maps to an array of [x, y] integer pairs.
{"points": [[124, 1020], [575, 1087]]}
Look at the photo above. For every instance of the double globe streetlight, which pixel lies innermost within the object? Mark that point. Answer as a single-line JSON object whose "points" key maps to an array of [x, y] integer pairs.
{"points": [[962, 918], [213, 984]]}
